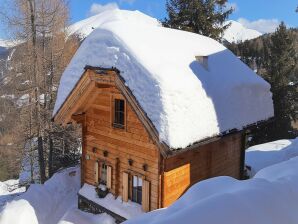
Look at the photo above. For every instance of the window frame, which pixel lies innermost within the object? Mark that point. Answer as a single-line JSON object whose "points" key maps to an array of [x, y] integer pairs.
{"points": [[113, 112], [139, 191], [101, 181]]}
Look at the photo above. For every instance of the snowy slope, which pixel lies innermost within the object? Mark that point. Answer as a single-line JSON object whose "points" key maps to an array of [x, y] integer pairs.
{"points": [[264, 155], [159, 66], [237, 32], [8, 43], [44, 204], [269, 198], [9, 190]]}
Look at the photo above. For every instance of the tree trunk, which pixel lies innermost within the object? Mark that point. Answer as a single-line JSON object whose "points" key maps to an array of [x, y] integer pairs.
{"points": [[50, 157], [41, 161]]}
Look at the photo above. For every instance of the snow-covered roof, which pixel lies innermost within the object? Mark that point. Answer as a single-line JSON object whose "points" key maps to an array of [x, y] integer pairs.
{"points": [[185, 101]]}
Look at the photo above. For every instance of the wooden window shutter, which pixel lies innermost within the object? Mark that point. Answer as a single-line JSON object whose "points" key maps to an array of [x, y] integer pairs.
{"points": [[96, 172], [146, 196], [109, 177], [125, 187]]}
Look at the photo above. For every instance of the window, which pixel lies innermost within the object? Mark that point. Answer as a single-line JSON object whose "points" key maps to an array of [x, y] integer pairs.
{"points": [[137, 185], [103, 174], [119, 108]]}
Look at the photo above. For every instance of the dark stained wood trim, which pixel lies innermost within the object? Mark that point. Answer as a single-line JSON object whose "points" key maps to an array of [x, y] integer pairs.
{"points": [[242, 155]]}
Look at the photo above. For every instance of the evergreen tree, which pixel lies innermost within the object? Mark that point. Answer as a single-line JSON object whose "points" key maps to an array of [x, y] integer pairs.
{"points": [[204, 17], [280, 66]]}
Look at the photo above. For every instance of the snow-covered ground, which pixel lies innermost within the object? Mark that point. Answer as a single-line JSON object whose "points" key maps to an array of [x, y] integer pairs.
{"points": [[271, 197], [264, 155], [76, 216], [51, 203], [9, 190], [127, 210]]}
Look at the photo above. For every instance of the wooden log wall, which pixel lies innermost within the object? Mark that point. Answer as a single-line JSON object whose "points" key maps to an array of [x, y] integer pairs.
{"points": [[218, 158], [132, 142]]}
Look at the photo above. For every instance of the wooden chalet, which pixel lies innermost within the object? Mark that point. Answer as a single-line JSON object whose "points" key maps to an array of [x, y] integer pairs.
{"points": [[121, 147], [164, 110]]}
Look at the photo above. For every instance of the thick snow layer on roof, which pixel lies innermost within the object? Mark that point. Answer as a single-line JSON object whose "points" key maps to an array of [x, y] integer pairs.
{"points": [[186, 102], [269, 198], [264, 155]]}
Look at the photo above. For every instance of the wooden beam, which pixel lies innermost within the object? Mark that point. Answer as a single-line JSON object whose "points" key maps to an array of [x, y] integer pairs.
{"points": [[79, 118]]}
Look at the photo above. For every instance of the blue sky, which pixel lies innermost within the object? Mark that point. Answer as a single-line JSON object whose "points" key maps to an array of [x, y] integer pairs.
{"points": [[262, 15]]}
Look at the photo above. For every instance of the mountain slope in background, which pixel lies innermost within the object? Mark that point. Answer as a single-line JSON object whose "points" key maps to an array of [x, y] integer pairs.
{"points": [[237, 33]]}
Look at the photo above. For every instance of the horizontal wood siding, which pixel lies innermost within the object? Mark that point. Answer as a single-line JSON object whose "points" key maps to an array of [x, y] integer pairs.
{"points": [[219, 158], [132, 142]]}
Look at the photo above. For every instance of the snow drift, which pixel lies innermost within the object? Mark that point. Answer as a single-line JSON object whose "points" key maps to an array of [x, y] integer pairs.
{"points": [[264, 155], [44, 204], [175, 90], [269, 198]]}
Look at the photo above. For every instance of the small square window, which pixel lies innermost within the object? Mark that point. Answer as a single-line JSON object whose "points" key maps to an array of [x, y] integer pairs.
{"points": [[119, 113]]}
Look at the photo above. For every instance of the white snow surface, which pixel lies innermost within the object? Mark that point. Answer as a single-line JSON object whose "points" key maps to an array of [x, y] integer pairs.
{"points": [[9, 43], [127, 210], [264, 155], [269, 198], [76, 216], [44, 204], [185, 102], [9, 190], [237, 32]]}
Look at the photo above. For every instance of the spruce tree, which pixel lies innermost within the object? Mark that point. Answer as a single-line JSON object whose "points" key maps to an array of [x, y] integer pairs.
{"points": [[280, 66], [204, 17]]}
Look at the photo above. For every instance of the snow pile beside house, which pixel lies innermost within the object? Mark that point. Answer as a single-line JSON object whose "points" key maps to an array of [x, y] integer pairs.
{"points": [[269, 198], [175, 89], [264, 155], [127, 210], [76, 216], [44, 204]]}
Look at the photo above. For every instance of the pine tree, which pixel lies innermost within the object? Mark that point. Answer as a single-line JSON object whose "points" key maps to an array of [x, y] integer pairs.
{"points": [[281, 59], [281, 65], [204, 17]]}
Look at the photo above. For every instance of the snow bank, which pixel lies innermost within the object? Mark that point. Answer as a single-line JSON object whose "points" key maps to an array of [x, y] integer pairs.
{"points": [[127, 210], [269, 198], [44, 204], [76, 216], [159, 65], [9, 190], [264, 155]]}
